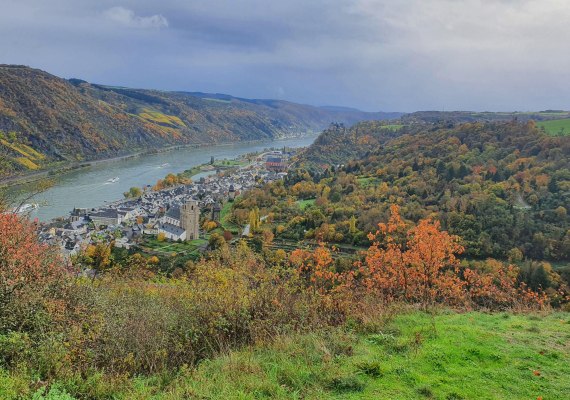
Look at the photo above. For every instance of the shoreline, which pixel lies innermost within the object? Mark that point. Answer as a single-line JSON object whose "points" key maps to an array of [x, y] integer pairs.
{"points": [[124, 200], [36, 176]]}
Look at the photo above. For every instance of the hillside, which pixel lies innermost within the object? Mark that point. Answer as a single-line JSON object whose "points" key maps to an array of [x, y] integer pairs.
{"points": [[446, 356], [472, 116], [47, 121], [503, 187]]}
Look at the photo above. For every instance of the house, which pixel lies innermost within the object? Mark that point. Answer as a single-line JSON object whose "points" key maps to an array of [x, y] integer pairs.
{"points": [[215, 211], [232, 193], [105, 217], [275, 163], [78, 214], [172, 232]]}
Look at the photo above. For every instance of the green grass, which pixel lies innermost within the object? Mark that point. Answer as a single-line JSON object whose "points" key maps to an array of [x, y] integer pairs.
{"points": [[366, 181], [415, 356], [449, 356], [303, 204], [556, 126], [153, 244], [225, 214], [230, 163]]}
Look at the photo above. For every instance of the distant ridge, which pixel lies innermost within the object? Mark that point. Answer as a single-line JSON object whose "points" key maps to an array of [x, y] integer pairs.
{"points": [[47, 121]]}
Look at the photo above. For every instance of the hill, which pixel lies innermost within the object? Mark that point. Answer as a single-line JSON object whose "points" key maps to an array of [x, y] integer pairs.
{"points": [[416, 355], [504, 187], [47, 121], [472, 116]]}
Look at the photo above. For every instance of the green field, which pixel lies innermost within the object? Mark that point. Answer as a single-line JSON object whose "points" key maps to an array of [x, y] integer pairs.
{"points": [[230, 163], [366, 181], [413, 356], [556, 126], [305, 203], [449, 356], [154, 245]]}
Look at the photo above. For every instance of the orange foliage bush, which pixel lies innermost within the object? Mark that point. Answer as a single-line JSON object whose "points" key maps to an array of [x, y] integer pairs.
{"points": [[31, 275], [416, 265]]}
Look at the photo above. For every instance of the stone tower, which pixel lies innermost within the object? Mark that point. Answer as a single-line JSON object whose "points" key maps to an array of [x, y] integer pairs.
{"points": [[190, 219]]}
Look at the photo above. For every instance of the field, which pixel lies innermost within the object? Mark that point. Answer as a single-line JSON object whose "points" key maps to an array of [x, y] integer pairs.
{"points": [[449, 356], [225, 214], [305, 203], [412, 356], [366, 181], [191, 248], [556, 126]]}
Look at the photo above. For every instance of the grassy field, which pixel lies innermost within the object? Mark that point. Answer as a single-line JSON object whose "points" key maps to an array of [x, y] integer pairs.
{"points": [[305, 203], [414, 356], [153, 244], [450, 356], [230, 163], [225, 214], [366, 181], [556, 126]]}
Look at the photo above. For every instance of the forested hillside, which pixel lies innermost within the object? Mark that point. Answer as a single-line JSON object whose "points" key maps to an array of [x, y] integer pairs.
{"points": [[46, 120], [503, 187]]}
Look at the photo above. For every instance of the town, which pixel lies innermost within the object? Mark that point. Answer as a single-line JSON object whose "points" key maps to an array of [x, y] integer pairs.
{"points": [[174, 214]]}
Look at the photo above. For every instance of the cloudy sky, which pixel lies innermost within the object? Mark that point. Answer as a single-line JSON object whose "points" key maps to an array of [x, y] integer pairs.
{"points": [[391, 55]]}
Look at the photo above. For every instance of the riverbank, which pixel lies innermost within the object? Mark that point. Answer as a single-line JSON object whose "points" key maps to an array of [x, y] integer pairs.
{"points": [[91, 187], [55, 171]]}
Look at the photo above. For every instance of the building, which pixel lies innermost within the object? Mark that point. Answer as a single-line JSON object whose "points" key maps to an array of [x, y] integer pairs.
{"points": [[190, 219], [232, 193], [275, 163], [181, 223], [78, 214], [172, 232], [216, 210], [105, 217]]}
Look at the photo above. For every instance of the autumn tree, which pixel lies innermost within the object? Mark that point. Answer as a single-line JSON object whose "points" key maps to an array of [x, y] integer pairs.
{"points": [[133, 192], [420, 269], [32, 275], [254, 220]]}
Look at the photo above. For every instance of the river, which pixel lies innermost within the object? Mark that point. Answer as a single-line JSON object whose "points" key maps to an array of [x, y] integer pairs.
{"points": [[90, 187]]}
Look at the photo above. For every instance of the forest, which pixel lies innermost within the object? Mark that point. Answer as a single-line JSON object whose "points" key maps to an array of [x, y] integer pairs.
{"points": [[503, 187]]}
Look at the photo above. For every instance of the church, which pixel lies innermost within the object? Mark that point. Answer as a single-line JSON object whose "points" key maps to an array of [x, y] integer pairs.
{"points": [[182, 223]]}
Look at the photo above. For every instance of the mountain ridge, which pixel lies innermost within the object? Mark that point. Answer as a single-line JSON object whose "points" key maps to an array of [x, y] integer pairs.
{"points": [[47, 121]]}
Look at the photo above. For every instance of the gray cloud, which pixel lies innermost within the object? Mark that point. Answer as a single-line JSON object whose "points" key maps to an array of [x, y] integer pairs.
{"points": [[128, 18], [374, 54]]}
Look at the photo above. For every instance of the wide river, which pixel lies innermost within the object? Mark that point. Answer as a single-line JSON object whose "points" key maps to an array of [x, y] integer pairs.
{"points": [[89, 187]]}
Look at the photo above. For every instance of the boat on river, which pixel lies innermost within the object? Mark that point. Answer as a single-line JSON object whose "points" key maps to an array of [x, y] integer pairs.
{"points": [[26, 208]]}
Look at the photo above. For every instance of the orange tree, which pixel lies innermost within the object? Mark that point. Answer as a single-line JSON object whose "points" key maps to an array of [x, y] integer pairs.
{"points": [[32, 277], [418, 266]]}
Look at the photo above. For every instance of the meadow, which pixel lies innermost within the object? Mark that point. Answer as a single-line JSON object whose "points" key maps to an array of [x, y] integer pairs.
{"points": [[557, 127]]}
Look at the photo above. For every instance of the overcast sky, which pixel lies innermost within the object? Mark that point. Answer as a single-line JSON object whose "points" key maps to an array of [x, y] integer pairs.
{"points": [[391, 55]]}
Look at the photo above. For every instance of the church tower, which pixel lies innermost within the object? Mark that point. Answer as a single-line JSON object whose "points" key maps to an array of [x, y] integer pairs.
{"points": [[190, 219]]}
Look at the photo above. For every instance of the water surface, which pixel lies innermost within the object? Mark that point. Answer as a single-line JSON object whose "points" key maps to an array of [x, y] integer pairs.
{"points": [[90, 187]]}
